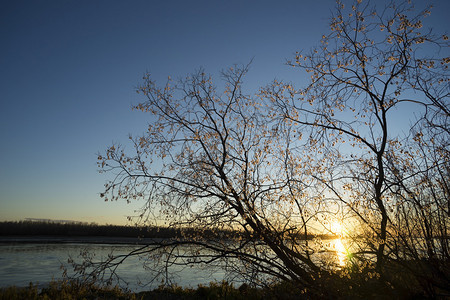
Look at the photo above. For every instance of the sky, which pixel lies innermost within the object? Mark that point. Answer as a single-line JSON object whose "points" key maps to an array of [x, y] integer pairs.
{"points": [[69, 72]]}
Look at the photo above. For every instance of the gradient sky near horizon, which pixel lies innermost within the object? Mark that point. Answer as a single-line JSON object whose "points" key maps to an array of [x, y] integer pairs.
{"points": [[69, 70]]}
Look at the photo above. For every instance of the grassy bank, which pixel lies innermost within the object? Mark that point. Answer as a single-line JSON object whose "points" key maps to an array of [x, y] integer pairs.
{"points": [[72, 290], [342, 289]]}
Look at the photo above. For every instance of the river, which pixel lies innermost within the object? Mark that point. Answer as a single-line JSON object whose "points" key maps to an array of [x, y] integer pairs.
{"points": [[40, 263], [21, 264]]}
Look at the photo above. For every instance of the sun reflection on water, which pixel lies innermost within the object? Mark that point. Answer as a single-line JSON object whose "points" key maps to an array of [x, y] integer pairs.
{"points": [[337, 229], [341, 251]]}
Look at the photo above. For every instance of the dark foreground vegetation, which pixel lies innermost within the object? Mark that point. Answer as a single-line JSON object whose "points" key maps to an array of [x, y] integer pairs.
{"points": [[345, 289]]}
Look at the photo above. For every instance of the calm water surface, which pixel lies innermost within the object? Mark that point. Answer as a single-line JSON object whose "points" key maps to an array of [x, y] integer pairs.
{"points": [[21, 264]]}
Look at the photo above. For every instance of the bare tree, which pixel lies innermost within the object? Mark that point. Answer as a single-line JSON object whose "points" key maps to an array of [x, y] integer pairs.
{"points": [[374, 64], [268, 171], [216, 161]]}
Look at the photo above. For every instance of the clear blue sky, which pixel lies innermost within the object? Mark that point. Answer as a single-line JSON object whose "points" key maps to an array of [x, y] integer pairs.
{"points": [[68, 72]]}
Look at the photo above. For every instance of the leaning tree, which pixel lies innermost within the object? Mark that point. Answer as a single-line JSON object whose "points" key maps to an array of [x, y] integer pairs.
{"points": [[215, 161], [250, 181]]}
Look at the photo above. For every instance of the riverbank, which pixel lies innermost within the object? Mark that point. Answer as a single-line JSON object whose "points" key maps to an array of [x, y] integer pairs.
{"points": [[61, 232], [51, 251], [72, 290], [48, 239]]}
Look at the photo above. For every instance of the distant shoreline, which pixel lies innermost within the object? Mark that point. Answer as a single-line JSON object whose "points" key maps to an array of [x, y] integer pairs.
{"points": [[46, 239], [50, 232]]}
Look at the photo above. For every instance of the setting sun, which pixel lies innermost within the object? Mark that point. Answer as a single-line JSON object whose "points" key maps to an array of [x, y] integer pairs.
{"points": [[336, 228]]}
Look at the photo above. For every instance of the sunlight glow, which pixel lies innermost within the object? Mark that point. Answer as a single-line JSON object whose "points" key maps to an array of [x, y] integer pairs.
{"points": [[341, 252], [336, 228]]}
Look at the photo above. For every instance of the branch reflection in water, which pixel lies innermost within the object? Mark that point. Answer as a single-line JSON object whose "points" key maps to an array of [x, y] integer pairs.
{"points": [[41, 263]]}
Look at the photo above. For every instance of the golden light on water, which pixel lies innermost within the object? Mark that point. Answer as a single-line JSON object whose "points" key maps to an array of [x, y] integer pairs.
{"points": [[341, 252]]}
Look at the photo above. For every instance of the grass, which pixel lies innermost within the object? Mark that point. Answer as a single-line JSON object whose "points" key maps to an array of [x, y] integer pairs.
{"points": [[220, 291], [350, 283], [64, 290], [72, 290]]}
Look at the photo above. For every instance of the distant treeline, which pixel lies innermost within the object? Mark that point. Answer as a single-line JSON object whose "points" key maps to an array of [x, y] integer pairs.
{"points": [[45, 228], [34, 228]]}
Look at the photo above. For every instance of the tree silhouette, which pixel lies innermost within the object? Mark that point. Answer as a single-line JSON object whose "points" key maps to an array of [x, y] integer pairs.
{"points": [[285, 164], [371, 66]]}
